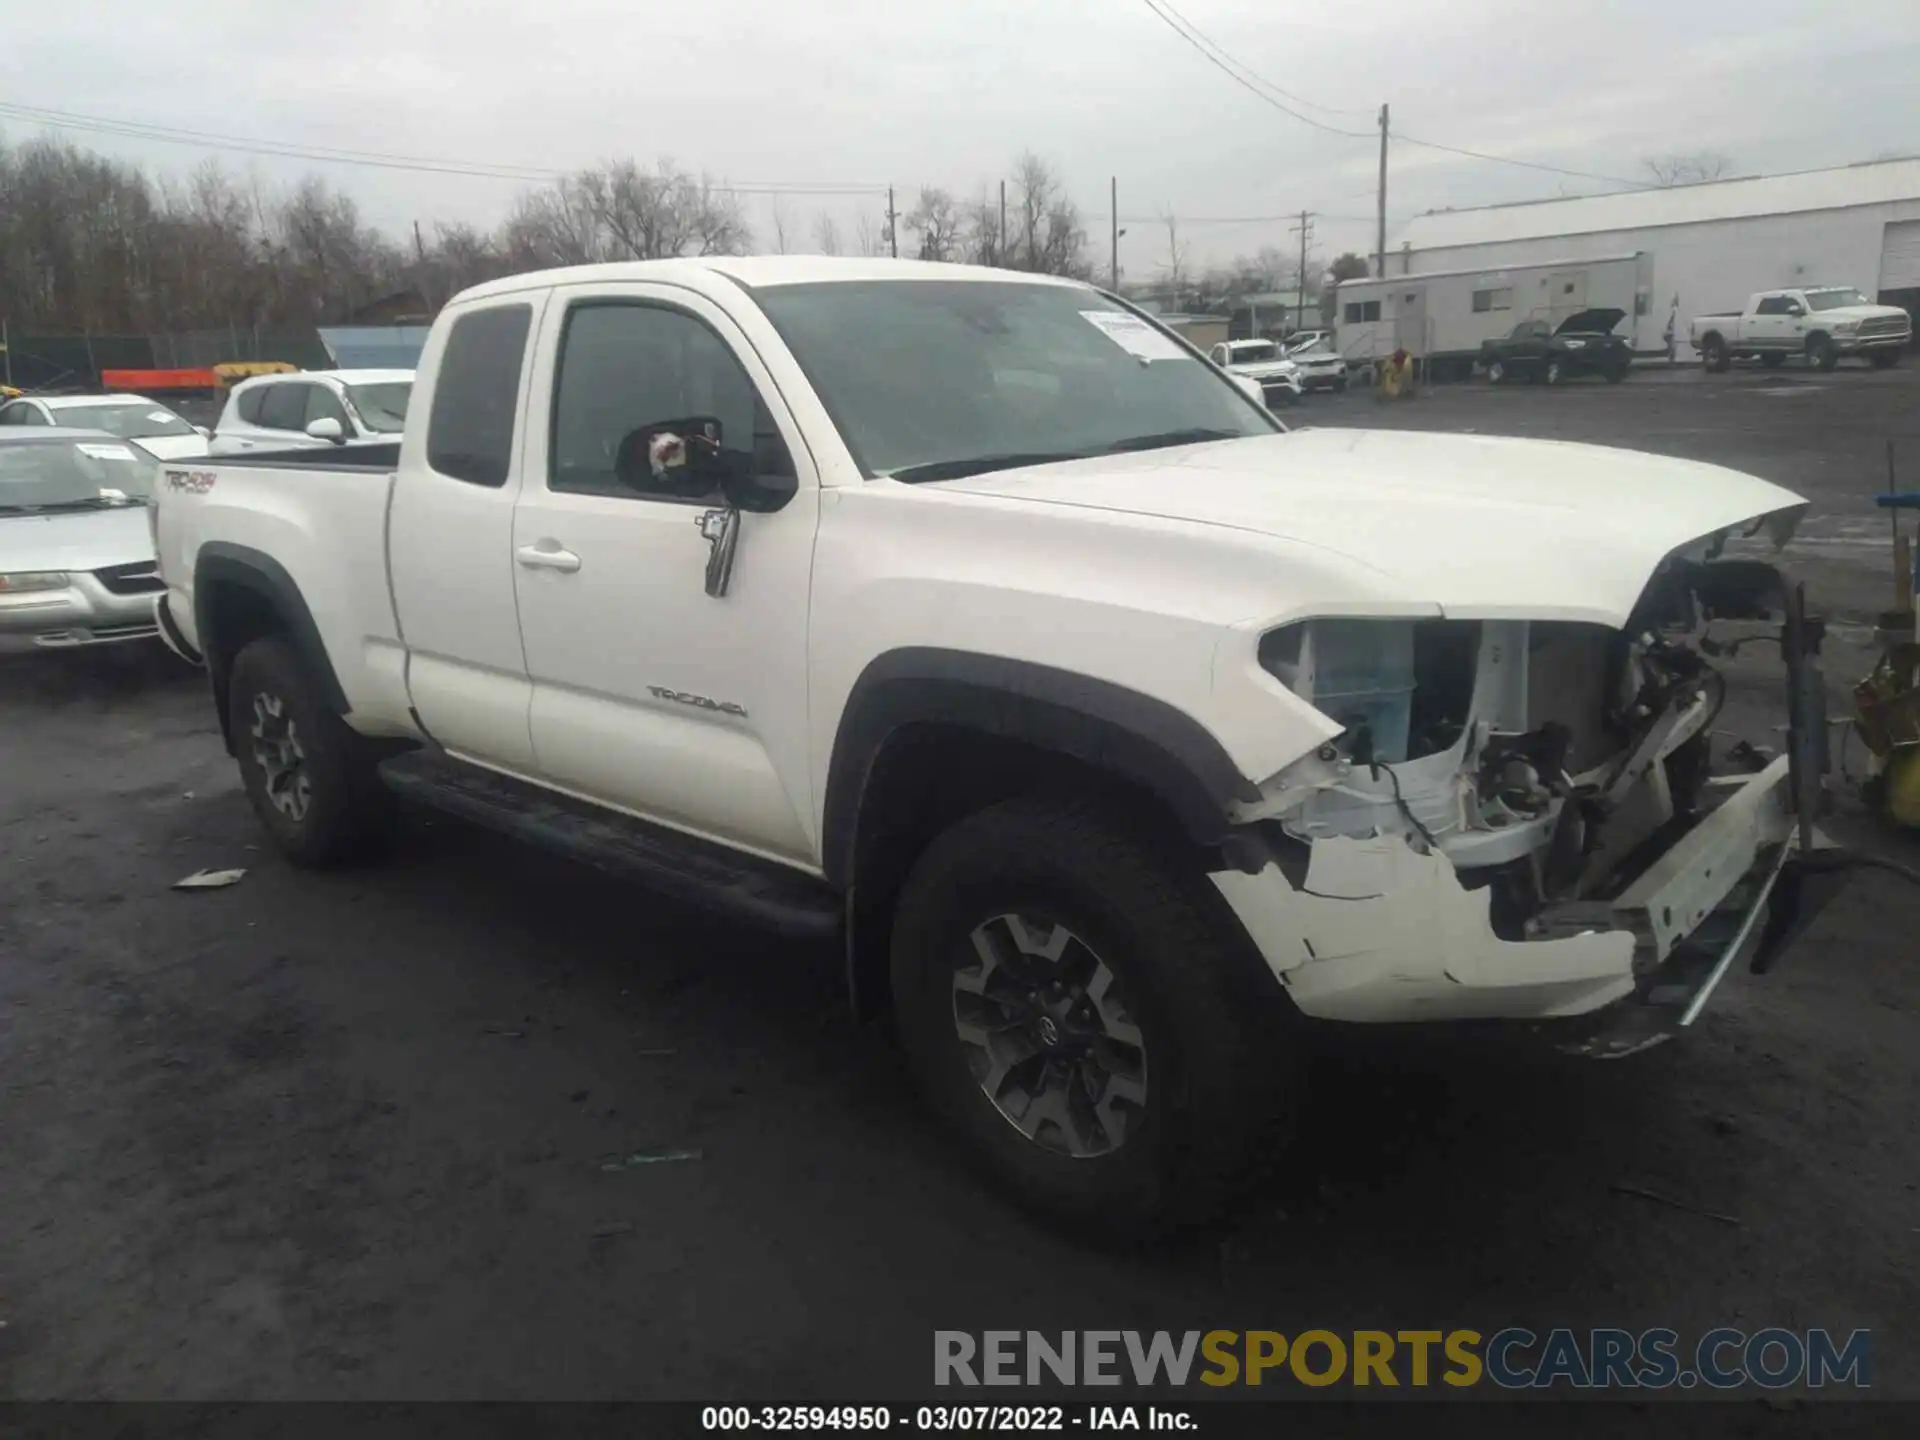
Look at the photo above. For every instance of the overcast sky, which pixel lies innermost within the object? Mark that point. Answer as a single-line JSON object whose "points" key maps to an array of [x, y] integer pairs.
{"points": [[877, 92]]}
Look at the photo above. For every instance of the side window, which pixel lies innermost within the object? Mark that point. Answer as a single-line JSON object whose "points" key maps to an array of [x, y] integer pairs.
{"points": [[1485, 300], [323, 404], [475, 398], [285, 407], [13, 414], [1772, 305], [250, 402], [629, 368]]}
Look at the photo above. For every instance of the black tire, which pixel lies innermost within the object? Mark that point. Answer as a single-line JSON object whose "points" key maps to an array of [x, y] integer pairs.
{"points": [[1773, 359], [1713, 354], [1885, 359], [1209, 1016], [347, 813], [1821, 354], [1340, 386], [1617, 373]]}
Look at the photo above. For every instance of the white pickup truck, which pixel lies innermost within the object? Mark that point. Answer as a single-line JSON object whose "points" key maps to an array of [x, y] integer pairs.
{"points": [[1823, 324], [977, 620]]}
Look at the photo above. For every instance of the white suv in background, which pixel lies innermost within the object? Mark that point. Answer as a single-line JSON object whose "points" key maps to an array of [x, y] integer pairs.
{"points": [[313, 407]]}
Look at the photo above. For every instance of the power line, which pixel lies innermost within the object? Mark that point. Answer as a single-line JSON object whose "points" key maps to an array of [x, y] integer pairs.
{"points": [[1201, 35], [373, 159], [1232, 68], [1253, 82], [1407, 139]]}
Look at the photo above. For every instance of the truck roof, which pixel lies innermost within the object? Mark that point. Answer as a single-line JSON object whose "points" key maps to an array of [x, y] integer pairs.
{"points": [[756, 271]]}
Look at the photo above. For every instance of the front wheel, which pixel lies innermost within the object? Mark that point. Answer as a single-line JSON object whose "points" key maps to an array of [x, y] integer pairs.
{"points": [[1079, 1013], [1821, 354], [1885, 359], [310, 778]]}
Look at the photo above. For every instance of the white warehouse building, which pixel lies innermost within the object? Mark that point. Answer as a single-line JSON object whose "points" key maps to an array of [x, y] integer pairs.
{"points": [[1710, 244]]}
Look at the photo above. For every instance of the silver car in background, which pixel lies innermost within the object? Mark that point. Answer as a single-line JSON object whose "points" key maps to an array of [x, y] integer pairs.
{"points": [[76, 540]]}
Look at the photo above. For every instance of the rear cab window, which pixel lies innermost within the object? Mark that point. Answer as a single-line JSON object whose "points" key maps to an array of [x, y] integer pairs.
{"points": [[476, 395]]}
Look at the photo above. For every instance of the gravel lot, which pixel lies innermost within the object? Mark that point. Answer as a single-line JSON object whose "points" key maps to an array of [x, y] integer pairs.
{"points": [[341, 1136]]}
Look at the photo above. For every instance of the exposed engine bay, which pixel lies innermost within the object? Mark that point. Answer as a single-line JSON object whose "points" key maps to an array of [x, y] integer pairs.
{"points": [[1522, 817]]}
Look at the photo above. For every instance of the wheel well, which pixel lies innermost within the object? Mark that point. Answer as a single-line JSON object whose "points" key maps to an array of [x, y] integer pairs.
{"points": [[1712, 337], [233, 616], [927, 777]]}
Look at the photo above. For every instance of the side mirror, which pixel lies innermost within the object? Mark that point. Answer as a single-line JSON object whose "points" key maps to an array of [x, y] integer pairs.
{"points": [[1250, 387], [327, 428], [687, 458], [1796, 311]]}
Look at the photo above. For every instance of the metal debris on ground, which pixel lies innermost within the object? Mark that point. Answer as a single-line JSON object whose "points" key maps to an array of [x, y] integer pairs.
{"points": [[633, 1159], [506, 1034], [608, 1232], [209, 880], [1643, 1193]]}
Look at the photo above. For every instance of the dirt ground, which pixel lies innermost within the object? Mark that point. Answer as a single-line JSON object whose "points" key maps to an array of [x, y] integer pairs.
{"points": [[342, 1136]]}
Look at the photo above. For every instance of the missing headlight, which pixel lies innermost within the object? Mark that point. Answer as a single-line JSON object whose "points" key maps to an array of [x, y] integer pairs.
{"points": [[1408, 682]]}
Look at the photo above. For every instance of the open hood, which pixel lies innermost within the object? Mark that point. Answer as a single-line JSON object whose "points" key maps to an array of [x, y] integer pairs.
{"points": [[1469, 526], [1590, 322]]}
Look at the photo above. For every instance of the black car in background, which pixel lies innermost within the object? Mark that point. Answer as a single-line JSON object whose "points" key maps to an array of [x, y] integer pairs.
{"points": [[1581, 344]]}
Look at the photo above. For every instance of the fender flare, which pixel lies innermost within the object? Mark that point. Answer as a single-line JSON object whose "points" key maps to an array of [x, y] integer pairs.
{"points": [[222, 564], [1108, 726]]}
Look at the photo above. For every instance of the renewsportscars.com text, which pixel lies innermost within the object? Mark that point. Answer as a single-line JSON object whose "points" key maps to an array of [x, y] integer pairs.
{"points": [[1513, 1358]]}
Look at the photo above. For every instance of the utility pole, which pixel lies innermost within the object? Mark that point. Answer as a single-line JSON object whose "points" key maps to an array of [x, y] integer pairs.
{"points": [[1113, 199], [1305, 227], [1003, 224], [1380, 230], [893, 226]]}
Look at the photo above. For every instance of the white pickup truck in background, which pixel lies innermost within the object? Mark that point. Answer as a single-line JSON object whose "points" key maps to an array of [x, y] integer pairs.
{"points": [[977, 621], [1823, 324]]}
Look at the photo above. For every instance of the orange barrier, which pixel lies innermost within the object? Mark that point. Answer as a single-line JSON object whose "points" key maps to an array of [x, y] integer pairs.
{"points": [[159, 379]]}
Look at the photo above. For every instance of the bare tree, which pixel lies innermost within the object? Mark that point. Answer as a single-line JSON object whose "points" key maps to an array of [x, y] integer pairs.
{"points": [[826, 234], [1692, 168], [980, 239], [936, 221], [869, 236], [781, 223], [1047, 233]]}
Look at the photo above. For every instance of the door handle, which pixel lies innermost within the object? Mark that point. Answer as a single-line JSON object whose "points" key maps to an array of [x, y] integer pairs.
{"points": [[535, 558]]}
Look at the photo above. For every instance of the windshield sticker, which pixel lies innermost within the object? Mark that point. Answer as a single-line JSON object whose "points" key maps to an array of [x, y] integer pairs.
{"points": [[1134, 335], [158, 417], [103, 452]]}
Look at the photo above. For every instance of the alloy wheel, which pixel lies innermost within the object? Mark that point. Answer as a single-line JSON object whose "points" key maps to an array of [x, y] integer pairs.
{"points": [[1048, 1036], [280, 756]]}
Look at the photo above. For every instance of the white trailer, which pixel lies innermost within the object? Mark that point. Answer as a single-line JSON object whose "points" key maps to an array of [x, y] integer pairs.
{"points": [[1440, 318]]}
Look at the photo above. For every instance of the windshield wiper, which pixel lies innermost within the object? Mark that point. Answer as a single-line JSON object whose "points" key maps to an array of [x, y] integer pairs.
{"points": [[1166, 438], [977, 465]]}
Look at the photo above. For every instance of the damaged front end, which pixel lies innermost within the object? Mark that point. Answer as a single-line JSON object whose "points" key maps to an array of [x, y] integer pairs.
{"points": [[1522, 820]]}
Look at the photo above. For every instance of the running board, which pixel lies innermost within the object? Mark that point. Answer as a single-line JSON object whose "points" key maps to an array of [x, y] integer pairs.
{"points": [[695, 872]]}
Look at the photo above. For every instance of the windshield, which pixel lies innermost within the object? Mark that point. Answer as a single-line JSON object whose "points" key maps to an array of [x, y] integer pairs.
{"points": [[933, 379], [141, 421], [72, 475], [382, 407], [1251, 351], [1834, 299]]}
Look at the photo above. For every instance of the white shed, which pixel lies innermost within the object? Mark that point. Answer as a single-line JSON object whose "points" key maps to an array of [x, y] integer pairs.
{"points": [[1712, 243]]}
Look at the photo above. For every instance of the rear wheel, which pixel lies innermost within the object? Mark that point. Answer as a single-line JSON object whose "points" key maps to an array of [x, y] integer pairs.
{"points": [[1713, 354], [1079, 1014], [1821, 354], [310, 778]]}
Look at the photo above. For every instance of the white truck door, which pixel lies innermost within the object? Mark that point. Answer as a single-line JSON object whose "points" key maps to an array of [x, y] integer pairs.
{"points": [[649, 693], [1770, 325], [450, 533]]}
